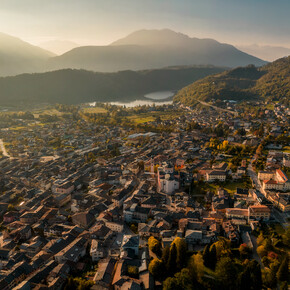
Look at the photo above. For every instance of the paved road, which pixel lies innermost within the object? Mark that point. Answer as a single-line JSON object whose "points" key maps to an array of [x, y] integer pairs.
{"points": [[253, 175], [3, 149], [255, 254], [218, 108], [280, 218]]}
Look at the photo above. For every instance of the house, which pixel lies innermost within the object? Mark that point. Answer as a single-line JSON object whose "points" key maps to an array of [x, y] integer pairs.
{"points": [[115, 226], [130, 243], [167, 178], [97, 250], [73, 252], [193, 236], [231, 232], [276, 180], [103, 276], [214, 175], [136, 213], [17, 274], [10, 216], [83, 219], [237, 213], [62, 187], [258, 212]]}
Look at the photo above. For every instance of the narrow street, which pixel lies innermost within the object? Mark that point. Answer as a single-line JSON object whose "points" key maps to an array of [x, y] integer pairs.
{"points": [[3, 149]]}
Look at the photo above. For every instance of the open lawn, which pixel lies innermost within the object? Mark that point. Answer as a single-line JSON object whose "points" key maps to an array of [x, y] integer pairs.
{"points": [[151, 116], [50, 112], [94, 110], [230, 186]]}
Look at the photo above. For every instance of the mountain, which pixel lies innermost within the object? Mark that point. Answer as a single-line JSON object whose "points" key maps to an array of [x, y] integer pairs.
{"points": [[58, 46], [17, 56], [150, 49], [267, 52], [270, 82], [80, 86]]}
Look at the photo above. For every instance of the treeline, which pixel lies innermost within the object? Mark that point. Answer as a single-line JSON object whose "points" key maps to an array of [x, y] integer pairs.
{"points": [[79, 86], [221, 265], [271, 82]]}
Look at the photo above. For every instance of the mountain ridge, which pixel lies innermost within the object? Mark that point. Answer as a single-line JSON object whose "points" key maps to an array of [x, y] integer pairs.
{"points": [[140, 50], [80, 86], [269, 82]]}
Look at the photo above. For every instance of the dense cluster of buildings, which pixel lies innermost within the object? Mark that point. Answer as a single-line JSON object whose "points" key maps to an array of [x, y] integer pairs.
{"points": [[68, 201]]}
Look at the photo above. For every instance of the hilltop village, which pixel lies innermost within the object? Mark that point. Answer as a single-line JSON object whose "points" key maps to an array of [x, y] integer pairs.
{"points": [[97, 200]]}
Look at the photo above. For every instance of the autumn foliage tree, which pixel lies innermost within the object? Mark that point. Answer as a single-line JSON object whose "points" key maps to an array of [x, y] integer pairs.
{"points": [[155, 246]]}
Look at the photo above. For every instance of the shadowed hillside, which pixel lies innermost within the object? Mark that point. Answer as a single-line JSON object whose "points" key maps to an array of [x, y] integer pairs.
{"points": [[78, 86], [271, 81]]}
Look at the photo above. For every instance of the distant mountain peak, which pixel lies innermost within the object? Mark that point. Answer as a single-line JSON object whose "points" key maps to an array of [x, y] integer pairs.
{"points": [[154, 37]]}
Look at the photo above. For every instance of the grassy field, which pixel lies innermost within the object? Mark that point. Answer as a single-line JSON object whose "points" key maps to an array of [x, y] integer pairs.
{"points": [[51, 112], [94, 110], [151, 116], [231, 187]]}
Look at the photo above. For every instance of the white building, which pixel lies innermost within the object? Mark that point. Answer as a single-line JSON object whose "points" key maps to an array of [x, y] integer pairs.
{"points": [[96, 251], [214, 175]]}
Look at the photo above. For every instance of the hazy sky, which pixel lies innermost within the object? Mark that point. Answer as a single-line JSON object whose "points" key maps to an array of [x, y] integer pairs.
{"points": [[103, 21]]}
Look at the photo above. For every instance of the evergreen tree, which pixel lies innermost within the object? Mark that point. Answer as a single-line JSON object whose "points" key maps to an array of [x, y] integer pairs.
{"points": [[213, 258], [181, 248], [227, 273], [206, 256], [156, 268], [170, 284], [244, 279], [283, 271], [171, 264], [165, 254], [256, 275], [284, 286]]}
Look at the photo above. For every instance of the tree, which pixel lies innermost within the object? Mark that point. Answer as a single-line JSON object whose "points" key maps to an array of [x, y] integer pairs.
{"points": [[286, 237], [70, 284], [181, 248], [226, 273], [283, 271], [206, 256], [134, 228], [11, 207], [256, 275], [156, 268], [284, 286], [244, 251], [154, 246], [196, 267], [170, 284], [171, 264], [181, 280], [261, 251], [133, 271], [213, 257], [165, 254], [244, 279]]}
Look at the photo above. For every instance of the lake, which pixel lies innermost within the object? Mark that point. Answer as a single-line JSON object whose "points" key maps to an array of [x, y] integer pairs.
{"points": [[152, 98]]}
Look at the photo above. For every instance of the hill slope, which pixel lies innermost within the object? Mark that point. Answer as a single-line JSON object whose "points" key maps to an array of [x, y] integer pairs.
{"points": [[17, 56], [271, 82], [79, 86], [150, 49]]}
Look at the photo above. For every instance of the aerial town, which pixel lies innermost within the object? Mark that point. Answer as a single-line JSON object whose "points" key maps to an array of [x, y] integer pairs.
{"points": [[120, 205]]}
